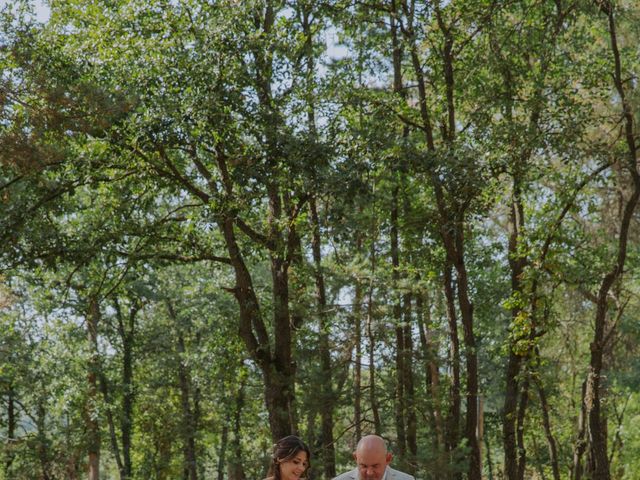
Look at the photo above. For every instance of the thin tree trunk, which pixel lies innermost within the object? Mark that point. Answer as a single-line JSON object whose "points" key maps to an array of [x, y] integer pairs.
{"points": [[11, 430], [357, 314], [400, 400], [326, 381], [432, 378], [236, 469], [359, 290], [410, 400], [126, 333], [189, 427], [517, 265], [617, 440], [128, 394], [453, 242], [43, 443], [522, 409], [452, 233], [466, 313], [453, 420], [509, 416], [517, 260], [91, 415], [551, 442], [71, 468], [104, 388], [188, 421], [377, 423], [581, 440], [480, 427], [538, 463], [489, 460], [197, 413], [595, 387], [222, 452]]}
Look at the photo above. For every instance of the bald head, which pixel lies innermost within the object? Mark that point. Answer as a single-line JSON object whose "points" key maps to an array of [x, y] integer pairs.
{"points": [[372, 443], [372, 457]]}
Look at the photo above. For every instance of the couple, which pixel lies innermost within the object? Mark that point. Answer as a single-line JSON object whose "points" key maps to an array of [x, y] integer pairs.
{"points": [[291, 456]]}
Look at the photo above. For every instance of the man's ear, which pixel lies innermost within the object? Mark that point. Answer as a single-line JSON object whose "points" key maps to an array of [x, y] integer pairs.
{"points": [[389, 457], [355, 457]]}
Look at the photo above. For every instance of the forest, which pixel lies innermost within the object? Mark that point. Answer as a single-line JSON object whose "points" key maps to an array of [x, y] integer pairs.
{"points": [[226, 221]]}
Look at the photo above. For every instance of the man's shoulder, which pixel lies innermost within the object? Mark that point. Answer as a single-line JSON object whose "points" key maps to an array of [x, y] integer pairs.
{"points": [[398, 475], [347, 475]]}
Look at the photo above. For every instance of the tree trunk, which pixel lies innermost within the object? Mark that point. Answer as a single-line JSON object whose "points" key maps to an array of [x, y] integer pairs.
{"points": [[104, 387], [272, 354], [283, 373], [197, 413], [326, 381], [509, 410], [432, 377], [128, 395], [188, 420], [400, 400], [357, 327], [222, 452], [373, 400], [236, 469], [453, 243], [538, 463], [453, 419], [91, 415], [466, 312], [377, 423], [489, 460], [551, 442], [11, 430], [407, 379], [126, 330], [277, 368], [517, 265], [188, 427], [71, 467], [522, 410], [595, 388], [451, 226], [43, 443], [480, 434], [452, 223], [581, 440]]}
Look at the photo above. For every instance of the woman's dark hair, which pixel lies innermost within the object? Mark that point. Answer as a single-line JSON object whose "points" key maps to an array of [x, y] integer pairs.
{"points": [[284, 450]]}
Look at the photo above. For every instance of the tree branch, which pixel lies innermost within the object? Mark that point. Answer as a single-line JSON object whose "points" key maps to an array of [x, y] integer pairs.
{"points": [[254, 235], [175, 257]]}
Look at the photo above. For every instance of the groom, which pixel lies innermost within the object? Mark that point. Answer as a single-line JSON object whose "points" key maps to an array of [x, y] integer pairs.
{"points": [[373, 459]]}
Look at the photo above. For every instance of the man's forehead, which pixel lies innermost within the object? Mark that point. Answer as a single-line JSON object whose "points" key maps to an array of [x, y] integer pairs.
{"points": [[371, 458], [372, 451]]}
